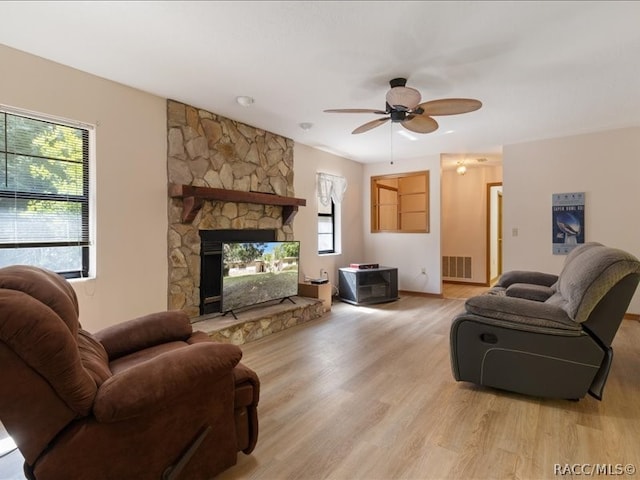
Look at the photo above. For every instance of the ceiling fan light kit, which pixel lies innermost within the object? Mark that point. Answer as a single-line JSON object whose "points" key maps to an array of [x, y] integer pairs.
{"points": [[403, 98], [403, 106]]}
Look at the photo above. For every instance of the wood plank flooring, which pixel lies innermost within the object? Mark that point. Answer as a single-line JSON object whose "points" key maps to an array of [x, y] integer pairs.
{"points": [[461, 291], [367, 393]]}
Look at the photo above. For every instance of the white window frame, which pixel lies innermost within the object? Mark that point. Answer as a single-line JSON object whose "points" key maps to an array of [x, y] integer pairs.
{"points": [[89, 257]]}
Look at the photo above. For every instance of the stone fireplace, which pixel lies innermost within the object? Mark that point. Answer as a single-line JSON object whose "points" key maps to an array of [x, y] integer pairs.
{"points": [[210, 153]]}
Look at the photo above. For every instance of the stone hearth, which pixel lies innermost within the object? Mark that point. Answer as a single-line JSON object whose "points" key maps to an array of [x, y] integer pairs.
{"points": [[259, 322]]}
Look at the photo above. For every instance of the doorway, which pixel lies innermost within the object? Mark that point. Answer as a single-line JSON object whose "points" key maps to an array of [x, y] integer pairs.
{"points": [[494, 232]]}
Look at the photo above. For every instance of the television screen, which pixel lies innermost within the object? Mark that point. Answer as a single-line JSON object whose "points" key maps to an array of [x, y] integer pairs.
{"points": [[257, 272]]}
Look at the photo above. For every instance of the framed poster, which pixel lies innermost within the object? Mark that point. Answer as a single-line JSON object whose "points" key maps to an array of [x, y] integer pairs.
{"points": [[568, 221]]}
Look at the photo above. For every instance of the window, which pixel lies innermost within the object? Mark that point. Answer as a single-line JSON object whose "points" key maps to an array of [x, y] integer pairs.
{"points": [[400, 203], [331, 190], [326, 228], [44, 193]]}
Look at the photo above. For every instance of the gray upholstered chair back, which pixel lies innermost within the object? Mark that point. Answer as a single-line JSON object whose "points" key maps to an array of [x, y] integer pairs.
{"points": [[576, 252], [599, 275]]}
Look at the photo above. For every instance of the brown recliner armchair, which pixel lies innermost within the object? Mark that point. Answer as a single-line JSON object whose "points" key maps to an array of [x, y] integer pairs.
{"points": [[144, 399]]}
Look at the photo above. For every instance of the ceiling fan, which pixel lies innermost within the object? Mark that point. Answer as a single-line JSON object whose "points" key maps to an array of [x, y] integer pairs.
{"points": [[403, 106]]}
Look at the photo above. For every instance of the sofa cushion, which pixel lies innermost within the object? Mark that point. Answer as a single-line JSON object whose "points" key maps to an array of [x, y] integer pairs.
{"points": [[125, 362], [538, 293], [93, 357], [520, 311], [144, 332], [43, 341], [526, 276], [47, 287]]}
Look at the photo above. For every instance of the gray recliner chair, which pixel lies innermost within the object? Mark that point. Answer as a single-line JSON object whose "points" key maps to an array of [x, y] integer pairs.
{"points": [[545, 335]]}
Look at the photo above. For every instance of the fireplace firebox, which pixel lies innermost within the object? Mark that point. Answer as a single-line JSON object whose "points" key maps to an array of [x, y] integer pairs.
{"points": [[211, 262]]}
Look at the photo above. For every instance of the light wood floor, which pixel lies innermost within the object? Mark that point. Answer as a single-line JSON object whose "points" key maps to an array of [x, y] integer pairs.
{"points": [[367, 393], [461, 290]]}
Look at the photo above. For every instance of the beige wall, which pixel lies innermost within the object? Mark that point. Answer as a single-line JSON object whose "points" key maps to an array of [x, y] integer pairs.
{"points": [[604, 165], [131, 211], [131, 190], [464, 216], [408, 252], [131, 195], [307, 162]]}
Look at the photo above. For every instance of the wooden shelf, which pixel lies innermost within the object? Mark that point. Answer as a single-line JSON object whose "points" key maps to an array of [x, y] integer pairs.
{"points": [[321, 291], [193, 198]]}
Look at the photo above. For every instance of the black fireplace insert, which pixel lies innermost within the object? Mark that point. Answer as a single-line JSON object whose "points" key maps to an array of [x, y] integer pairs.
{"points": [[211, 262]]}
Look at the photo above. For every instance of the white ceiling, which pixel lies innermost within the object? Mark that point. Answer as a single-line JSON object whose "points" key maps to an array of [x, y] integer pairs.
{"points": [[542, 69]]}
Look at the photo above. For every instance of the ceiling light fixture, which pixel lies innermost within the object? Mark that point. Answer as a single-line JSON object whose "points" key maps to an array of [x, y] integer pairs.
{"points": [[461, 169], [306, 126], [245, 101], [403, 98]]}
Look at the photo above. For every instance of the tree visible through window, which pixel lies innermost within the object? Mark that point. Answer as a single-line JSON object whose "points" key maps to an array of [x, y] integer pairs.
{"points": [[44, 194]]}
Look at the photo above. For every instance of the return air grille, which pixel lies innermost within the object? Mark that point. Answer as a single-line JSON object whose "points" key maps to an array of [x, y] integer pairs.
{"points": [[456, 267]]}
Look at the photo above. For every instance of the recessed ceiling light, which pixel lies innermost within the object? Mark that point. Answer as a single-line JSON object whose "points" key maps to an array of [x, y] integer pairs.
{"points": [[245, 101]]}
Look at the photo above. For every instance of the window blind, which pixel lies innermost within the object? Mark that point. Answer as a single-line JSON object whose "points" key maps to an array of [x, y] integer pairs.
{"points": [[44, 194]]}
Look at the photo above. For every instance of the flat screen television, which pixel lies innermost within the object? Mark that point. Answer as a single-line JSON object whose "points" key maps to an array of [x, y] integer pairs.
{"points": [[258, 272]]}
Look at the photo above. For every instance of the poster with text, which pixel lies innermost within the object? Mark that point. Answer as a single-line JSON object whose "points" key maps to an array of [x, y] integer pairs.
{"points": [[568, 221]]}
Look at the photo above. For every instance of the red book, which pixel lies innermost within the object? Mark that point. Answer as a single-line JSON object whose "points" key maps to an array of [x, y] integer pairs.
{"points": [[363, 266]]}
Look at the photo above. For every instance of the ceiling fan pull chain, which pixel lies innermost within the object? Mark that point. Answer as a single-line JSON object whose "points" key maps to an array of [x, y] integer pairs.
{"points": [[391, 141]]}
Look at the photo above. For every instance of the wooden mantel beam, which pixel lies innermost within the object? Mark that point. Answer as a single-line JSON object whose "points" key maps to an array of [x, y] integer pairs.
{"points": [[193, 198]]}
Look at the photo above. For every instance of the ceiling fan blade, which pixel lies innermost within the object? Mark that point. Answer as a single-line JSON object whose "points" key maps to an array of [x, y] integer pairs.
{"points": [[355, 110], [372, 124], [420, 124], [450, 106]]}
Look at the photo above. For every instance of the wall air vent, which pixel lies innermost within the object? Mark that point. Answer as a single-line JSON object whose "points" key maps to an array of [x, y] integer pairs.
{"points": [[456, 267]]}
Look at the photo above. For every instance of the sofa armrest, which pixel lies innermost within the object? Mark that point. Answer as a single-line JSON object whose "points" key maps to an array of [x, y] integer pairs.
{"points": [[144, 332], [149, 386], [521, 311], [526, 276], [530, 291]]}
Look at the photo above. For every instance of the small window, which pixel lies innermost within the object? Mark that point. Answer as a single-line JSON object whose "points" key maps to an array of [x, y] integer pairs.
{"points": [[400, 203], [44, 194], [326, 228]]}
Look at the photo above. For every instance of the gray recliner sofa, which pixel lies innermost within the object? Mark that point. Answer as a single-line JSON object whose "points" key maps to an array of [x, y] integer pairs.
{"points": [[545, 335]]}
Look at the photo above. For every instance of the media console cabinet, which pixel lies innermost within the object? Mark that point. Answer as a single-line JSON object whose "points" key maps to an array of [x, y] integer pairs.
{"points": [[363, 286]]}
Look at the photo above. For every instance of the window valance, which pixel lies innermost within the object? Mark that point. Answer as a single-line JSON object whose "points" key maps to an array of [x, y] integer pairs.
{"points": [[331, 187]]}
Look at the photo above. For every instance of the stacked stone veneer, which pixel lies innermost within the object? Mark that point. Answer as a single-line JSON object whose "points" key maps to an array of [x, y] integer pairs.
{"points": [[205, 149], [273, 322]]}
